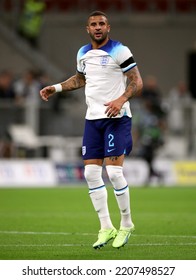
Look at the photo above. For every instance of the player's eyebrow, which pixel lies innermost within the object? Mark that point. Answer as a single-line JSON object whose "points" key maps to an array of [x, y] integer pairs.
{"points": [[100, 22]]}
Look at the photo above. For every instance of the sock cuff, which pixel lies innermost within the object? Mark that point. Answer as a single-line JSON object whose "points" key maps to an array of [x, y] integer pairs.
{"points": [[121, 191]]}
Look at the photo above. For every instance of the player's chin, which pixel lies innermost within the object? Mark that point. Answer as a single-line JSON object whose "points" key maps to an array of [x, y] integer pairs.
{"points": [[98, 39]]}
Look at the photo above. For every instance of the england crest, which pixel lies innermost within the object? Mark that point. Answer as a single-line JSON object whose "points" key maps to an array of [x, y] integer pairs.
{"points": [[104, 60], [83, 150]]}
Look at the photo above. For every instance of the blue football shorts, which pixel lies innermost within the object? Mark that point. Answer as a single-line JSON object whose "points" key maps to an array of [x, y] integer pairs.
{"points": [[107, 137]]}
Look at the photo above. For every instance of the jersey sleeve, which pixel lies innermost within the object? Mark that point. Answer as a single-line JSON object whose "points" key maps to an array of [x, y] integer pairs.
{"points": [[125, 58], [79, 64]]}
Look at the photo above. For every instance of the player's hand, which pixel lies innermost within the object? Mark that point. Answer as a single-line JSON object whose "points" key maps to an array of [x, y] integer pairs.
{"points": [[112, 110], [114, 107], [47, 92]]}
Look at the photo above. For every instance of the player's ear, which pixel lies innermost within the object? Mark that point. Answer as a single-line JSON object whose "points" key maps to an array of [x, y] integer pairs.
{"points": [[87, 29]]}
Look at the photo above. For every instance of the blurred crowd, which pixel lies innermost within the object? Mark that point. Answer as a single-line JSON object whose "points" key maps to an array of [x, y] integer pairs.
{"points": [[19, 97], [15, 92], [154, 113], [18, 89]]}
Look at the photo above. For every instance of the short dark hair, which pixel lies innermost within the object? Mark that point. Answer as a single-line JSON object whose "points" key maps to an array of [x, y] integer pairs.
{"points": [[97, 13]]}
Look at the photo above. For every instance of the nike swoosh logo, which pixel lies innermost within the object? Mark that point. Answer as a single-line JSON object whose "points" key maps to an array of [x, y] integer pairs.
{"points": [[110, 150], [119, 194]]}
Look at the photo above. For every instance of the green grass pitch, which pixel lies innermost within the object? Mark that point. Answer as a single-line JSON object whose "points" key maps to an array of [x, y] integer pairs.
{"points": [[60, 224]]}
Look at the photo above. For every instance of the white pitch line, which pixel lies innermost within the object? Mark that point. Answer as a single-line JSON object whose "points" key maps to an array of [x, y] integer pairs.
{"points": [[43, 245], [87, 234], [44, 233], [170, 236], [88, 245]]}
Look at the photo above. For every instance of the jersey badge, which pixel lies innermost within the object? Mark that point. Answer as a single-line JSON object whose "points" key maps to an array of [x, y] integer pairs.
{"points": [[83, 150], [104, 60]]}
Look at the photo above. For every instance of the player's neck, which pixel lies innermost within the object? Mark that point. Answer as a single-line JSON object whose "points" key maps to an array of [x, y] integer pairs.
{"points": [[97, 45]]}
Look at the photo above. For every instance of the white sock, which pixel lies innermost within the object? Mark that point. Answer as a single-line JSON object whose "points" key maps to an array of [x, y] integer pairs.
{"points": [[100, 203], [123, 200], [121, 192]]}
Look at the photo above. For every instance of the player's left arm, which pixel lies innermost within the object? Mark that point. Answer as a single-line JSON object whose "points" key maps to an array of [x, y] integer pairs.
{"points": [[135, 85], [134, 88]]}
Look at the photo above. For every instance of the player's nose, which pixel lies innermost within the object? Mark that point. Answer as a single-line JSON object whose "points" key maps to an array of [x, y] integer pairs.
{"points": [[98, 27]]}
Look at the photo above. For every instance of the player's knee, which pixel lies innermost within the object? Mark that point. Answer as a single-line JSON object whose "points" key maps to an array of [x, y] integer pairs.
{"points": [[93, 176], [115, 174]]}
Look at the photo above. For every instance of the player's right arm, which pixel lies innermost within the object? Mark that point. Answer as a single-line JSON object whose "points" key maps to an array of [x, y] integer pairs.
{"points": [[74, 82]]}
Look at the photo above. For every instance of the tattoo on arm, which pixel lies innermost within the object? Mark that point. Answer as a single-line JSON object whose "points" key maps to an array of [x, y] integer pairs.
{"points": [[135, 85], [74, 82]]}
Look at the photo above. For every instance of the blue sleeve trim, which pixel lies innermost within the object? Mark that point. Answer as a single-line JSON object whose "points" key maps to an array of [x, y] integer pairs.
{"points": [[129, 67]]}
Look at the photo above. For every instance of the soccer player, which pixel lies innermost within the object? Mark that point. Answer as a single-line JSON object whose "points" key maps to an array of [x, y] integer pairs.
{"points": [[103, 68]]}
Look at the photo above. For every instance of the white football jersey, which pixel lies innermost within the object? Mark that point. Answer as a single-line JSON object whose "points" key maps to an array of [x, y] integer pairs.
{"points": [[104, 70]]}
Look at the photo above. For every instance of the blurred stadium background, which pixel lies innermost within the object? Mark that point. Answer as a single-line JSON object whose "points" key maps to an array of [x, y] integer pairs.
{"points": [[40, 142]]}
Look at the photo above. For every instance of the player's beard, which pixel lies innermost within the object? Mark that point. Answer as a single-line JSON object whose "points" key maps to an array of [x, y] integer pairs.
{"points": [[99, 40]]}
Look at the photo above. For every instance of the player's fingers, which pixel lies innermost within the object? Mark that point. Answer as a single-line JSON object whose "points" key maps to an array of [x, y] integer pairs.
{"points": [[45, 98], [46, 92], [43, 95], [111, 112], [112, 109], [109, 107]]}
